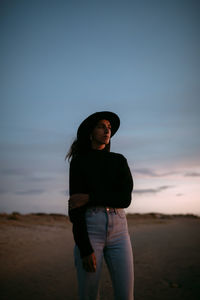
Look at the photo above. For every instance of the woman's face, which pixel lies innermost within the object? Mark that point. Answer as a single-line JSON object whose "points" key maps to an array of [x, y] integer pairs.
{"points": [[101, 134]]}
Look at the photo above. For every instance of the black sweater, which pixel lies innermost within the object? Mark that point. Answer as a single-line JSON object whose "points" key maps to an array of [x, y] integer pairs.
{"points": [[106, 177]]}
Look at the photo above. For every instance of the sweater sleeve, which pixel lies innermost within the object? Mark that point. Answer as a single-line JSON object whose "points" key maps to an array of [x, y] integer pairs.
{"points": [[120, 195], [77, 215]]}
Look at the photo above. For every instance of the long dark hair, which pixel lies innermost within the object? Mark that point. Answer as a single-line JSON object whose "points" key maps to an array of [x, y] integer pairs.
{"points": [[81, 145]]}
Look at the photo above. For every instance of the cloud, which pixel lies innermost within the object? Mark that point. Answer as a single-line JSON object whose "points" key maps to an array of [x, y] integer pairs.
{"points": [[192, 174], [14, 171], [151, 173], [65, 192], [31, 192], [152, 191], [39, 179], [29, 176], [3, 191]]}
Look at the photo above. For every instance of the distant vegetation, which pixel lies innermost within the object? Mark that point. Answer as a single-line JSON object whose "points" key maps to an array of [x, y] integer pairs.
{"points": [[16, 215]]}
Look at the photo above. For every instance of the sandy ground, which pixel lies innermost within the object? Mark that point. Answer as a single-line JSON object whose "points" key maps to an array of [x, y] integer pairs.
{"points": [[36, 258]]}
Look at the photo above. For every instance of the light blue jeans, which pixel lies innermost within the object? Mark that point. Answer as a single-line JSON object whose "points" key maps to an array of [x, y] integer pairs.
{"points": [[108, 233]]}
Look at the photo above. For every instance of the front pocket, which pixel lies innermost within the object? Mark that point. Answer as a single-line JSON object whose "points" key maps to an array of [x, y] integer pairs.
{"points": [[121, 213]]}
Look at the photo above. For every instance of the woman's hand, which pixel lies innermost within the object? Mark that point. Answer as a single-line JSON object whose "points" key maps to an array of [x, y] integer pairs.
{"points": [[89, 263], [78, 200]]}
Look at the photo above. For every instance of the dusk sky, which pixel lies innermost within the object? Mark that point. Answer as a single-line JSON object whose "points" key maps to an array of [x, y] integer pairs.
{"points": [[63, 60]]}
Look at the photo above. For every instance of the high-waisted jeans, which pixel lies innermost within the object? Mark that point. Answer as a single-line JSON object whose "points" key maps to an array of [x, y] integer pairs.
{"points": [[108, 233]]}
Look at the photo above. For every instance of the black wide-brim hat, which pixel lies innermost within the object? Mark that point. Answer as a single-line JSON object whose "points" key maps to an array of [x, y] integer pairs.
{"points": [[90, 122]]}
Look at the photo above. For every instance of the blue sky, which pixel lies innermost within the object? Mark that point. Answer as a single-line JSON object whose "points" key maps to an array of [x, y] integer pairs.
{"points": [[63, 60]]}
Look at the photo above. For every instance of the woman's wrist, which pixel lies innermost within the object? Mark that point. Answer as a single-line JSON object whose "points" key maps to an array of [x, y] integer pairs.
{"points": [[78, 200]]}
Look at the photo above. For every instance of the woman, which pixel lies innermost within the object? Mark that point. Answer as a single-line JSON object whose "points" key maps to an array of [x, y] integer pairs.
{"points": [[100, 187]]}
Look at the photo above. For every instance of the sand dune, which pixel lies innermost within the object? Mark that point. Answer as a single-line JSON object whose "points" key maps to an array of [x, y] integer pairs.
{"points": [[37, 261]]}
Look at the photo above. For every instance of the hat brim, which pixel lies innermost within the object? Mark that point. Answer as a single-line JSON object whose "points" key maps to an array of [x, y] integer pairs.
{"points": [[90, 122]]}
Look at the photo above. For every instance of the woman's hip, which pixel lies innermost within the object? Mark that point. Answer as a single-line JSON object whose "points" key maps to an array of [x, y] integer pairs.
{"points": [[106, 221]]}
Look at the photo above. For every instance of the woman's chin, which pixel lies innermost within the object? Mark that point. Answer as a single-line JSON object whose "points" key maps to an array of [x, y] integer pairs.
{"points": [[105, 141]]}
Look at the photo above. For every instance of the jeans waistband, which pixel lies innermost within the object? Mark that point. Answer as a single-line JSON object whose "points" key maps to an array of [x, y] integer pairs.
{"points": [[105, 209]]}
